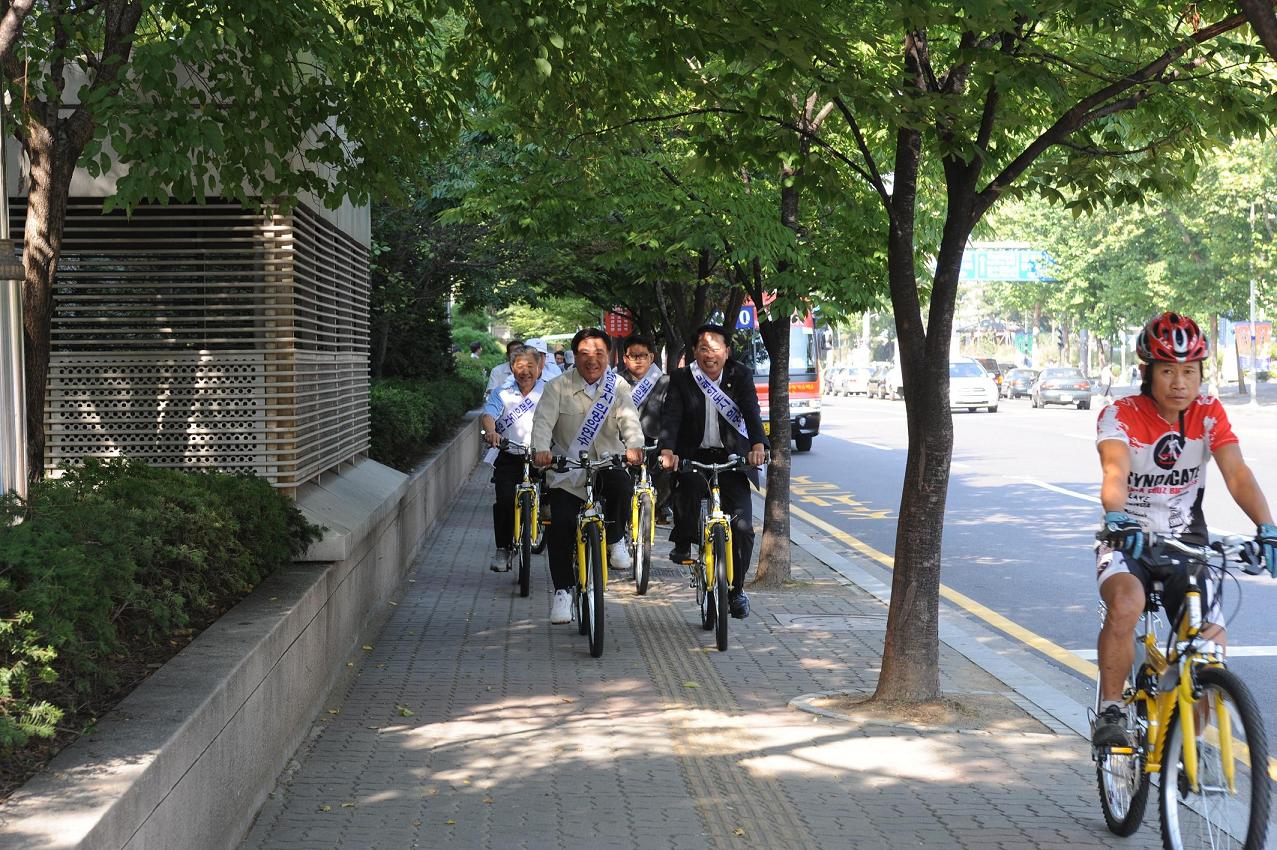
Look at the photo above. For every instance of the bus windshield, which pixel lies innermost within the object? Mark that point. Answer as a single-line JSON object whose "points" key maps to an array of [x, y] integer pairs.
{"points": [[802, 351]]}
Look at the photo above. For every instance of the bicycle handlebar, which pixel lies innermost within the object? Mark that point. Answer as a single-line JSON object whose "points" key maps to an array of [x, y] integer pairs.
{"points": [[1233, 548], [514, 448], [562, 463], [734, 462]]}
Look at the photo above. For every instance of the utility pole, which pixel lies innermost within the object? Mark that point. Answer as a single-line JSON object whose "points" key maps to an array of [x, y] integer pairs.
{"points": [[13, 395]]}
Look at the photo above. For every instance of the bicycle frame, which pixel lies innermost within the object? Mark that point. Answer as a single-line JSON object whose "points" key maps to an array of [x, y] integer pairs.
{"points": [[714, 519], [1185, 657], [641, 487], [529, 487]]}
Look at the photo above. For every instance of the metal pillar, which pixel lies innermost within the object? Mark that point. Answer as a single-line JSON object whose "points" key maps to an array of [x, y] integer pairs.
{"points": [[13, 395]]}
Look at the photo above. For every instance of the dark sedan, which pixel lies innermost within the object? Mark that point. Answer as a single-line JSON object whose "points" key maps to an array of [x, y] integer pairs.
{"points": [[1018, 382], [1062, 386]]}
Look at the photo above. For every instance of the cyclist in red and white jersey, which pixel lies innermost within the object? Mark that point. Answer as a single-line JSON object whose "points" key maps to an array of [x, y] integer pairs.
{"points": [[1154, 448]]}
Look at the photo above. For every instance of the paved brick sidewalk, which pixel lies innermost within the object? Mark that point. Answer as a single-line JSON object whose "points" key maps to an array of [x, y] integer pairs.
{"points": [[469, 721]]}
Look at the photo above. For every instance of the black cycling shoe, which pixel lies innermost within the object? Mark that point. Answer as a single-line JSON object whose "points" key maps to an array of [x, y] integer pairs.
{"points": [[738, 604], [1110, 729]]}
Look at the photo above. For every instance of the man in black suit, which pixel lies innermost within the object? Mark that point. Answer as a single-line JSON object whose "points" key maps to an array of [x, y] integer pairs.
{"points": [[711, 411]]}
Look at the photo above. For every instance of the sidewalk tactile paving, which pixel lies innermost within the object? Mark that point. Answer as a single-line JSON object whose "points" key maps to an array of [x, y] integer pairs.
{"points": [[472, 722]]}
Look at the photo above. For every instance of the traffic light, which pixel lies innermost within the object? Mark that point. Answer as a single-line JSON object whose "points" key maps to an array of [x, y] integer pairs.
{"points": [[1059, 338]]}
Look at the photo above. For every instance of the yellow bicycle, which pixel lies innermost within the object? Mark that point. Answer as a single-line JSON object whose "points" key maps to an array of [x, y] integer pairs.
{"points": [[591, 550], [528, 536], [642, 535], [713, 570], [1193, 723]]}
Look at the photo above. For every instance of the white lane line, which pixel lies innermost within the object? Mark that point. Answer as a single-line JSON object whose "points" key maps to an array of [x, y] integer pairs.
{"points": [[1218, 532], [1086, 497], [877, 446], [1233, 652]]}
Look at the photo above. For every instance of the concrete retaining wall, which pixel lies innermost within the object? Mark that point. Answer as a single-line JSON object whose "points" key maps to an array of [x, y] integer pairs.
{"points": [[187, 759]]}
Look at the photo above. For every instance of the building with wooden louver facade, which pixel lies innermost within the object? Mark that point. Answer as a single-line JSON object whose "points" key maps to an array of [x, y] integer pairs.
{"points": [[210, 336]]}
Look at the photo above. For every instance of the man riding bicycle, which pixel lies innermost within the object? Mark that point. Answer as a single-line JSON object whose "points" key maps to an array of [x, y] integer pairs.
{"points": [[648, 385], [585, 409], [1154, 448], [508, 415], [711, 412]]}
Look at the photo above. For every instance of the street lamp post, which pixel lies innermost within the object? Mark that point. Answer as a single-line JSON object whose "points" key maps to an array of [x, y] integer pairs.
{"points": [[13, 396]]}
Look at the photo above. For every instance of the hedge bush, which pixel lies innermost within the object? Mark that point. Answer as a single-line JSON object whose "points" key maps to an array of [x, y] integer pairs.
{"points": [[409, 416], [106, 564]]}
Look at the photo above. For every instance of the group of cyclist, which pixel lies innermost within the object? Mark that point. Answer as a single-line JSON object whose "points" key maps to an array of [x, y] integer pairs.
{"points": [[705, 411], [1154, 448]]}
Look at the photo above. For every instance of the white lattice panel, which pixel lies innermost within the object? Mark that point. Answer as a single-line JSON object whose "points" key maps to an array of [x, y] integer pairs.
{"points": [[209, 337]]}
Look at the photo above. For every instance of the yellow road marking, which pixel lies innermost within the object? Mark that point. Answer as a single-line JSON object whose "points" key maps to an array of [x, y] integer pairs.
{"points": [[993, 618]]}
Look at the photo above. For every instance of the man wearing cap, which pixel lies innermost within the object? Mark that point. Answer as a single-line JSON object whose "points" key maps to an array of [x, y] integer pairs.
{"points": [[549, 370]]}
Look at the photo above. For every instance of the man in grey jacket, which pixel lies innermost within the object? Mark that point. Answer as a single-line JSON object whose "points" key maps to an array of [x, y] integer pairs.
{"points": [[585, 409]]}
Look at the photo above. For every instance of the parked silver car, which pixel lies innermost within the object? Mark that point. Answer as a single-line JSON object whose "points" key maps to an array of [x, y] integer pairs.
{"points": [[1061, 385]]}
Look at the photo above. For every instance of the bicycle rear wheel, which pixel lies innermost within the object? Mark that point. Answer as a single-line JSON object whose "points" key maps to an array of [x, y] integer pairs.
{"points": [[1122, 779], [593, 594], [1222, 811], [719, 544], [642, 553], [525, 543]]}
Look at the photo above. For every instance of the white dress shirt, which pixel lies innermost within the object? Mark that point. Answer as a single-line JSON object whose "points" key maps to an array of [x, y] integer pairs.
{"points": [[712, 438]]}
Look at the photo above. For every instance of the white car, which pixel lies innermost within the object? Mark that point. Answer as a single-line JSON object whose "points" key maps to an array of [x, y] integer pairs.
{"points": [[970, 386]]}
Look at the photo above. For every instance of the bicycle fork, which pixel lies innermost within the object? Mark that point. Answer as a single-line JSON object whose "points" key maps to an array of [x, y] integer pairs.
{"points": [[590, 517]]}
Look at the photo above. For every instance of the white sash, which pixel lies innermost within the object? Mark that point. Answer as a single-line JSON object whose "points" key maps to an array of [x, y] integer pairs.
{"points": [[594, 418], [513, 415], [643, 387], [721, 401]]}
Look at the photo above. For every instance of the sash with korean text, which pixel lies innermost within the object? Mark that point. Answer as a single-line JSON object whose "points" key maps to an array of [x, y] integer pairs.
{"points": [[594, 418], [722, 402]]}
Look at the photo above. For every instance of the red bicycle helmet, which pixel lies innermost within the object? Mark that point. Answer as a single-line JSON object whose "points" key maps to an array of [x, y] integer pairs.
{"points": [[1171, 338]]}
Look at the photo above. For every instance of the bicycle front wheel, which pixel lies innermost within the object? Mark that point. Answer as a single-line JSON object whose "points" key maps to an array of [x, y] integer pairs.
{"points": [[1122, 779], [1229, 806], [525, 543], [594, 588], [643, 544], [720, 587]]}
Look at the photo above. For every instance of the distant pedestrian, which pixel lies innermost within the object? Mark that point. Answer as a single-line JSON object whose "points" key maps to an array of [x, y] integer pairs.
{"points": [[475, 348], [561, 360]]}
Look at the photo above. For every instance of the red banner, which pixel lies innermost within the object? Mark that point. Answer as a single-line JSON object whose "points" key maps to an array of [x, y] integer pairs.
{"points": [[617, 322]]}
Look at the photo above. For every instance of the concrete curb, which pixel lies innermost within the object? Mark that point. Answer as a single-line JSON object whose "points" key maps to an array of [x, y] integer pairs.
{"points": [[187, 759]]}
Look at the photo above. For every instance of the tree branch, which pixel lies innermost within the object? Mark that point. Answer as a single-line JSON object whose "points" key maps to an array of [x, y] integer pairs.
{"points": [[1262, 21], [1095, 106], [11, 28], [874, 176]]}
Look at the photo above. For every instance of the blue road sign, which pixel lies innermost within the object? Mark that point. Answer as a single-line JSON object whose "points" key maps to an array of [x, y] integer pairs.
{"points": [[1017, 265], [745, 319]]}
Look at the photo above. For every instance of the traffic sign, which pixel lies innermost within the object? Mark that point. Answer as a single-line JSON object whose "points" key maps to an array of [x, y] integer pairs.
{"points": [[1017, 265], [746, 319]]}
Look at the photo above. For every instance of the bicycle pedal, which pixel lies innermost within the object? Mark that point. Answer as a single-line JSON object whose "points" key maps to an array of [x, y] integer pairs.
{"points": [[1120, 751]]}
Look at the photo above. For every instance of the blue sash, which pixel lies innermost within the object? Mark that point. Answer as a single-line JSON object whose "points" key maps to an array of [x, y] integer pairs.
{"points": [[644, 387], [594, 418], [721, 401]]}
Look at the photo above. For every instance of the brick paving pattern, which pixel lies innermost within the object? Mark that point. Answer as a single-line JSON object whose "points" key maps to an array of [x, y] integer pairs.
{"points": [[471, 722]]}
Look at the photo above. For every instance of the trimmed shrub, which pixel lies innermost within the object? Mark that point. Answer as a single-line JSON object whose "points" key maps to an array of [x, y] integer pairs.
{"points": [[410, 416], [111, 561]]}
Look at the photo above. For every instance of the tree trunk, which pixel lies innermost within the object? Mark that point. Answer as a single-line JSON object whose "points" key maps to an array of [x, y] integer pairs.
{"points": [[52, 165], [773, 554]]}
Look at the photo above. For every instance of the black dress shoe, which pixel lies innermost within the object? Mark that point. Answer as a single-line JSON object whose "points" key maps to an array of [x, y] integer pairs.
{"points": [[681, 556], [738, 604]]}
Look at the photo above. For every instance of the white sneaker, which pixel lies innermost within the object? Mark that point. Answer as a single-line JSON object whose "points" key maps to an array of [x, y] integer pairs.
{"points": [[618, 557], [561, 610]]}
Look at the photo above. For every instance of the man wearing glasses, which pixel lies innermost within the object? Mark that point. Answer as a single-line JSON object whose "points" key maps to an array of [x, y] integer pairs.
{"points": [[648, 385]]}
